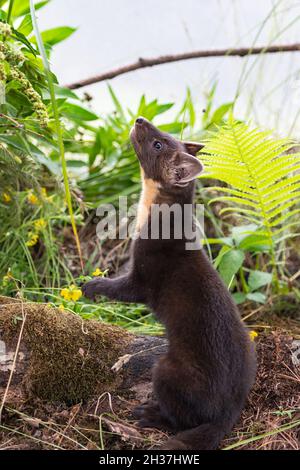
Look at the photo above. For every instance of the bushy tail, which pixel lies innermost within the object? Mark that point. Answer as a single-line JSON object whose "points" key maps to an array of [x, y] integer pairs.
{"points": [[203, 437]]}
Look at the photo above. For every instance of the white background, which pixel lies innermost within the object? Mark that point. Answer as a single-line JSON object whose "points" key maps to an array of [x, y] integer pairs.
{"points": [[112, 33]]}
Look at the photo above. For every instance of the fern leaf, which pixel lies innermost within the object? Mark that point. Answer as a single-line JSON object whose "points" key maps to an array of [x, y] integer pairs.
{"points": [[262, 178]]}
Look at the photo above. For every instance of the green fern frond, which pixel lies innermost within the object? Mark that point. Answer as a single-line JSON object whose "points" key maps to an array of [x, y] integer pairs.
{"points": [[262, 176]]}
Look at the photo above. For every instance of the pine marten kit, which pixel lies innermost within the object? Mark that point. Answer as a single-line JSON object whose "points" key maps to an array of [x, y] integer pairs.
{"points": [[200, 386]]}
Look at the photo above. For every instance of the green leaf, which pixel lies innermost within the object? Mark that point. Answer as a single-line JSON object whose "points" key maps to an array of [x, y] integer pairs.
{"points": [[256, 297], [257, 242], [173, 127], [221, 253], [55, 35], [239, 297], [117, 103], [60, 92], [187, 108], [152, 109], [3, 15], [241, 232], [22, 38], [76, 163], [77, 113], [209, 102], [220, 113], [26, 25], [22, 7], [230, 264], [221, 241], [259, 279]]}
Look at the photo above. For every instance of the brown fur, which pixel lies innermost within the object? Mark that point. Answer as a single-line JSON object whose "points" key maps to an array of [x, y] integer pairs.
{"points": [[201, 385]]}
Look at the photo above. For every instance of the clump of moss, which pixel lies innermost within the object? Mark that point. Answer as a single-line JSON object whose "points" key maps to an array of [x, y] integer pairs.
{"points": [[70, 358]]}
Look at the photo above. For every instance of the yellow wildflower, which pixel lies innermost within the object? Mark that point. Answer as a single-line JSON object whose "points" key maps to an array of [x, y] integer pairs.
{"points": [[33, 239], [45, 196], [32, 199], [65, 293], [61, 307], [7, 278], [39, 224], [97, 272], [71, 293], [76, 294], [253, 334], [6, 198]]}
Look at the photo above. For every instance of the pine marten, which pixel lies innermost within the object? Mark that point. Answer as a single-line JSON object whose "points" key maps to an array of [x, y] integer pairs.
{"points": [[201, 384]]}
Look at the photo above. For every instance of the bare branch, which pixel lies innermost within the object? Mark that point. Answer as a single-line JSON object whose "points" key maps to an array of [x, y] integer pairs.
{"points": [[165, 59]]}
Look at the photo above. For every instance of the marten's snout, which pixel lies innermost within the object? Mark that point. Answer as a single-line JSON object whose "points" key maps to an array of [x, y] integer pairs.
{"points": [[139, 120], [140, 129]]}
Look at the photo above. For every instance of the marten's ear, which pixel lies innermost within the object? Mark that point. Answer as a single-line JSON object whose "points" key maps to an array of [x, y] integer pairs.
{"points": [[185, 168], [193, 147]]}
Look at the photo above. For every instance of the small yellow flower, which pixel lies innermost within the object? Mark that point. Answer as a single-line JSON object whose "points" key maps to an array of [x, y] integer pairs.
{"points": [[65, 294], [76, 294], [6, 198], [39, 224], [32, 199], [97, 272], [33, 239], [71, 293], [253, 334], [61, 307]]}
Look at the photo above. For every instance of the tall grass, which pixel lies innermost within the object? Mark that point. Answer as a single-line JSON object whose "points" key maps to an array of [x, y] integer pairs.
{"points": [[57, 126]]}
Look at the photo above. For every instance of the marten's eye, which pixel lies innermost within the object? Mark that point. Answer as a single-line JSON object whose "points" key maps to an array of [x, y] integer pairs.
{"points": [[157, 145]]}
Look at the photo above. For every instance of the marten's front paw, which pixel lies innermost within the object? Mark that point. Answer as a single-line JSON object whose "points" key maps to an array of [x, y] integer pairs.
{"points": [[92, 288]]}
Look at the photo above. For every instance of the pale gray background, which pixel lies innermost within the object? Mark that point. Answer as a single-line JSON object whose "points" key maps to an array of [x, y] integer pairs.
{"points": [[116, 32]]}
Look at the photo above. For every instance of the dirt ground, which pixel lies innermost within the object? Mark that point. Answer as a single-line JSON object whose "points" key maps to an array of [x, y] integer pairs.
{"points": [[105, 422]]}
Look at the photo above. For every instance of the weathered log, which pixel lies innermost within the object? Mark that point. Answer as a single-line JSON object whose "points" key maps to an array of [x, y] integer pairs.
{"points": [[65, 358]]}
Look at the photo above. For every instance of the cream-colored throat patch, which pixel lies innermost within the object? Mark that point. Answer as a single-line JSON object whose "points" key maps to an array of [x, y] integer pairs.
{"points": [[148, 195]]}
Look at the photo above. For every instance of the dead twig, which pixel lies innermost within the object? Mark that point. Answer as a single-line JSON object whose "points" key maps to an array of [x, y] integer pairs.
{"points": [[165, 59]]}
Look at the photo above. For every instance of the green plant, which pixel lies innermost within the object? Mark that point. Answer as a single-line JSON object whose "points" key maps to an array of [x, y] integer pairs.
{"points": [[29, 153], [58, 128], [212, 118], [245, 282], [31, 240], [262, 174]]}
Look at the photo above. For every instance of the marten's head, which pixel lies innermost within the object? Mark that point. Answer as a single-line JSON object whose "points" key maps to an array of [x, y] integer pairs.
{"points": [[165, 160]]}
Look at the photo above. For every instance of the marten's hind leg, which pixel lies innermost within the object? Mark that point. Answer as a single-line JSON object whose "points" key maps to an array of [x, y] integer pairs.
{"points": [[181, 394]]}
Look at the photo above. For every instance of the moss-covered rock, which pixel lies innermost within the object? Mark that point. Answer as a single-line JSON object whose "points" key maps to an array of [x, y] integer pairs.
{"points": [[69, 359]]}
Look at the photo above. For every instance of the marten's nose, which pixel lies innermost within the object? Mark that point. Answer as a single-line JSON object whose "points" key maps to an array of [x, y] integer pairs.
{"points": [[139, 120]]}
